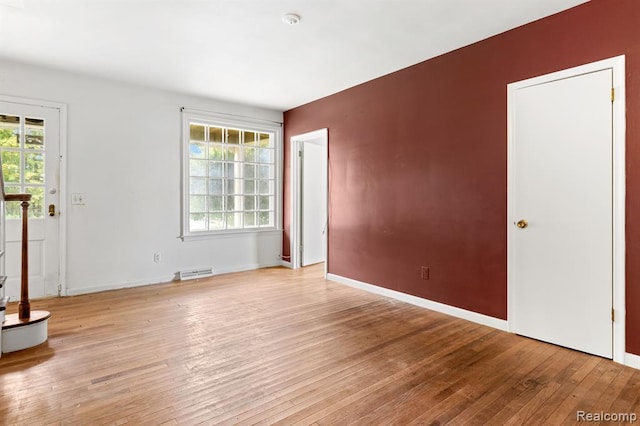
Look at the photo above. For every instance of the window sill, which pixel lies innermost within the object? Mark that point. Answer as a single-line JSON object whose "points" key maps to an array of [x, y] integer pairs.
{"points": [[232, 234]]}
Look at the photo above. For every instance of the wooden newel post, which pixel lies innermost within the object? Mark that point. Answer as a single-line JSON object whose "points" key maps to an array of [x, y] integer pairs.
{"points": [[24, 307]]}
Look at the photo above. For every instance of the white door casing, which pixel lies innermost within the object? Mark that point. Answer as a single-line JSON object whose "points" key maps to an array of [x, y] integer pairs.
{"points": [[566, 166], [44, 230], [319, 138]]}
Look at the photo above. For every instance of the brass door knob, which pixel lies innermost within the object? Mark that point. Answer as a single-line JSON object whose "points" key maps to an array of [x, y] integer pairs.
{"points": [[522, 224], [52, 210]]}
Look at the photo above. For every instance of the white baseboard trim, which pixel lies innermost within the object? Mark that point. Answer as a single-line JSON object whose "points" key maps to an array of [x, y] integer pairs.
{"points": [[243, 268], [631, 360], [423, 303], [118, 286], [163, 279], [286, 264]]}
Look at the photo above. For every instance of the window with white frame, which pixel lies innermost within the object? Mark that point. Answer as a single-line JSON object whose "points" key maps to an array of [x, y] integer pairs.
{"points": [[230, 179]]}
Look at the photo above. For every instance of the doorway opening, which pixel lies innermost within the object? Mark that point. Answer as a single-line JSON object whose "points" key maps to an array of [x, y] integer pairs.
{"points": [[309, 199]]}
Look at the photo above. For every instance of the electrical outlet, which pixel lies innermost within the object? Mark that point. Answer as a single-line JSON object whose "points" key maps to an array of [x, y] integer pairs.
{"points": [[424, 273], [157, 257]]}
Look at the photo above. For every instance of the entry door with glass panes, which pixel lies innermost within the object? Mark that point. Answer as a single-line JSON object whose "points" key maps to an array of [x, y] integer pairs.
{"points": [[29, 146]]}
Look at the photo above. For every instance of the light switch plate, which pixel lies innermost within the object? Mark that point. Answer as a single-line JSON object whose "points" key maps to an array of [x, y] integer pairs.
{"points": [[77, 199]]}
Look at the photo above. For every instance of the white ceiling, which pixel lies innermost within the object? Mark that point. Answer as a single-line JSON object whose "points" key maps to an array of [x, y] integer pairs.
{"points": [[240, 50]]}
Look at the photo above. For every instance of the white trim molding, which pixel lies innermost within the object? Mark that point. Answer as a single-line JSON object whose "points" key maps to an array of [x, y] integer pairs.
{"points": [[319, 136], [167, 279], [239, 123], [423, 303], [76, 291], [243, 268], [617, 65], [631, 360], [286, 264]]}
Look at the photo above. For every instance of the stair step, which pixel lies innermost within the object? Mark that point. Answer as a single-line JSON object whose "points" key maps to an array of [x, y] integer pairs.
{"points": [[12, 320], [20, 334]]}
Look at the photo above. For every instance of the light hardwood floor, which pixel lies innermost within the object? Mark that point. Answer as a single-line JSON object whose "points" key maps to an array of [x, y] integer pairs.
{"points": [[286, 347]]}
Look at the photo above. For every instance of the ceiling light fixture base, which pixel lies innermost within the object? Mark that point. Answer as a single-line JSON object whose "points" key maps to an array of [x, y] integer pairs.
{"points": [[290, 19]]}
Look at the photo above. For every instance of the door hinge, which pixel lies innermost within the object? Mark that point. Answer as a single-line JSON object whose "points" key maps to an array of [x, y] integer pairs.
{"points": [[59, 289], [613, 315], [299, 153], [613, 94]]}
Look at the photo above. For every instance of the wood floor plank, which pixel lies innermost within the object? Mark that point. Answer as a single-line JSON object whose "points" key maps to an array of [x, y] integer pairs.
{"points": [[330, 398], [629, 395], [277, 346]]}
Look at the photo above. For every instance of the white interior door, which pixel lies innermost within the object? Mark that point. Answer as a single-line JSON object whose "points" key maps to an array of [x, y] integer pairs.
{"points": [[30, 148], [313, 162], [562, 187]]}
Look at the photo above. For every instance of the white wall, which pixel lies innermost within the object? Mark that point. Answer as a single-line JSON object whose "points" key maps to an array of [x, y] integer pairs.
{"points": [[123, 153]]}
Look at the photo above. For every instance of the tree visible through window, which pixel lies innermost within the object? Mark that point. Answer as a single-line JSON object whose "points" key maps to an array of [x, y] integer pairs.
{"points": [[23, 161], [231, 178]]}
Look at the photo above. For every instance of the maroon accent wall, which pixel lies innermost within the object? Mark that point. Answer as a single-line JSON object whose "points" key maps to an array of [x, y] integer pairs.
{"points": [[418, 160]]}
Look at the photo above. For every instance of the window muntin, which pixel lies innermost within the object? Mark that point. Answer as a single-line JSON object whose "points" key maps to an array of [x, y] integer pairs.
{"points": [[22, 144], [231, 178]]}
